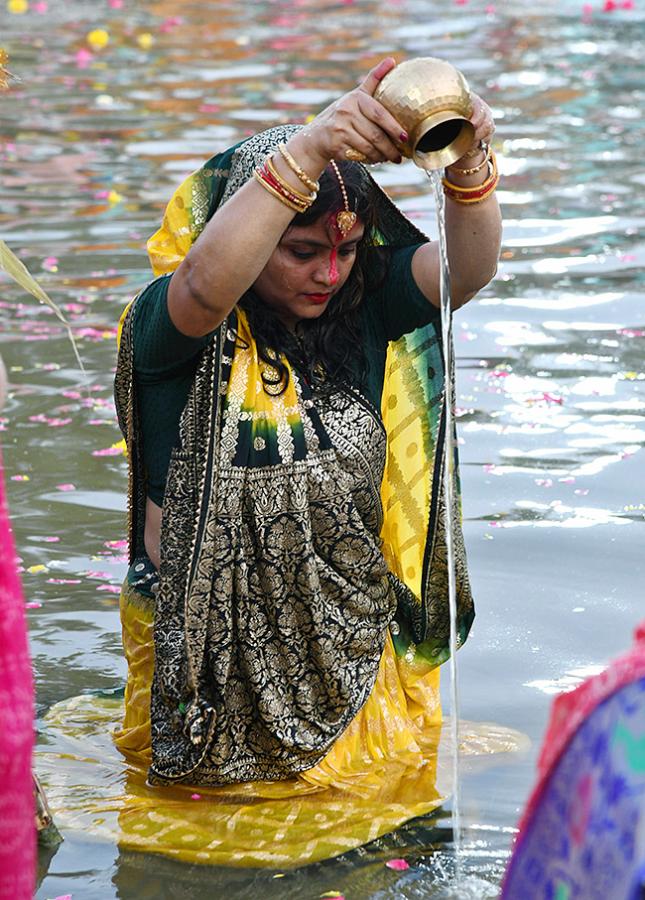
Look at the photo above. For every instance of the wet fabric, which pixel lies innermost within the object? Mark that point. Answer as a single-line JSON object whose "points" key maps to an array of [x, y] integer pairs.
{"points": [[379, 774], [17, 809]]}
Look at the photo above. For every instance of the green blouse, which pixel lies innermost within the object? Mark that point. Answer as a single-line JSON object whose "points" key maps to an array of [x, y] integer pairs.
{"points": [[165, 360]]}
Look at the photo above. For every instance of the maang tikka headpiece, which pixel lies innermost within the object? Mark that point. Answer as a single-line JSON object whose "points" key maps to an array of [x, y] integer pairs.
{"points": [[345, 219]]}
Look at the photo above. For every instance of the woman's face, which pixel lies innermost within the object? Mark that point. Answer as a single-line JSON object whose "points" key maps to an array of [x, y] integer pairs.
{"points": [[306, 269]]}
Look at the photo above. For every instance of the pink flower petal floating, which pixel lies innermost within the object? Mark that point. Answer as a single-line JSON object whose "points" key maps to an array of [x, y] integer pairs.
{"points": [[41, 7], [65, 487], [552, 398], [33, 604], [195, 796], [399, 865], [108, 451], [110, 588], [170, 23], [116, 545], [52, 421], [20, 477]]}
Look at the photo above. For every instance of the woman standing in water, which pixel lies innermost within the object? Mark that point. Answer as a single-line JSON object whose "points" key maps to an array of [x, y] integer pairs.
{"points": [[280, 389]]}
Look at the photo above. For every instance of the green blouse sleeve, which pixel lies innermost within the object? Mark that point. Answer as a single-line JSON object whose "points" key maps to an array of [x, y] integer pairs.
{"points": [[159, 348], [397, 305]]}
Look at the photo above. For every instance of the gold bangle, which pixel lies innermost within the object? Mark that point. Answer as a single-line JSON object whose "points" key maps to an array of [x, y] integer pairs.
{"points": [[483, 193], [307, 199], [474, 150], [474, 169], [314, 186], [473, 188], [269, 175], [267, 187]]}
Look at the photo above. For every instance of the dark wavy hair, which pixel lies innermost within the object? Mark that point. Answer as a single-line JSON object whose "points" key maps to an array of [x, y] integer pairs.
{"points": [[327, 350]]}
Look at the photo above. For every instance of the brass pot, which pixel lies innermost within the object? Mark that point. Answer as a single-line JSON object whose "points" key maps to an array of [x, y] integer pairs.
{"points": [[431, 100]]}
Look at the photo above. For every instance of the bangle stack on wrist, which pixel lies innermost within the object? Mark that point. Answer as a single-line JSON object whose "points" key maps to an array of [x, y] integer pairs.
{"points": [[308, 182], [272, 181], [486, 150], [479, 192]]}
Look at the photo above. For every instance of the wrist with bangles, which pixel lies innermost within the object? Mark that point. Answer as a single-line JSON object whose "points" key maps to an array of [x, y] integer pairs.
{"points": [[477, 193]]}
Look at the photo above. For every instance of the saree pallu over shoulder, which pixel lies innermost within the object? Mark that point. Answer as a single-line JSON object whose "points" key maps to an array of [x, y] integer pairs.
{"points": [[414, 535], [274, 596]]}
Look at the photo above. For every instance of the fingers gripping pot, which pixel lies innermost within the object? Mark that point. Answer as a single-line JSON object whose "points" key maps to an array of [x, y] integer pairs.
{"points": [[431, 99]]}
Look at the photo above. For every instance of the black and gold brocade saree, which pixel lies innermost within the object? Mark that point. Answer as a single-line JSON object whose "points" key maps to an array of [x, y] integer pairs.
{"points": [[304, 569]]}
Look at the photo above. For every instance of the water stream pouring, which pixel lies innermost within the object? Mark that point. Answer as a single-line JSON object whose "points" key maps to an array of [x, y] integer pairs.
{"points": [[431, 99], [449, 499]]}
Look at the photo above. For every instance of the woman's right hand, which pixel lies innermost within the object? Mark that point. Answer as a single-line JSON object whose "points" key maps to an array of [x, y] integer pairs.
{"points": [[357, 123]]}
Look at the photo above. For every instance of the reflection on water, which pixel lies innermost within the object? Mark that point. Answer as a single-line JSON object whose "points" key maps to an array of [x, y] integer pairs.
{"points": [[551, 380]]}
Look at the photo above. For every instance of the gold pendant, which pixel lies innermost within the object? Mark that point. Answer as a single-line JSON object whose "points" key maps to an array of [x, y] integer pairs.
{"points": [[345, 220]]}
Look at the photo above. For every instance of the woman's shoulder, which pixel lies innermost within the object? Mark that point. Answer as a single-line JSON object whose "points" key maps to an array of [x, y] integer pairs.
{"points": [[159, 347], [393, 303]]}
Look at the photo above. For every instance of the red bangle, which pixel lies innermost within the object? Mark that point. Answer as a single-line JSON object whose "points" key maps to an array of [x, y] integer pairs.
{"points": [[265, 176], [476, 196]]}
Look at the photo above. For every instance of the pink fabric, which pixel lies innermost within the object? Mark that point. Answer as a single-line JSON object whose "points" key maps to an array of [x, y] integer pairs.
{"points": [[569, 710], [17, 814]]}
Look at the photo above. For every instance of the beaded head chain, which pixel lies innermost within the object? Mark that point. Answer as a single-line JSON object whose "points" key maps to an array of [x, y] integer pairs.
{"points": [[345, 218]]}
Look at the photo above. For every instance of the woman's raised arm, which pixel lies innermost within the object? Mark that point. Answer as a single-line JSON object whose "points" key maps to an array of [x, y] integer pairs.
{"points": [[238, 241], [473, 230]]}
